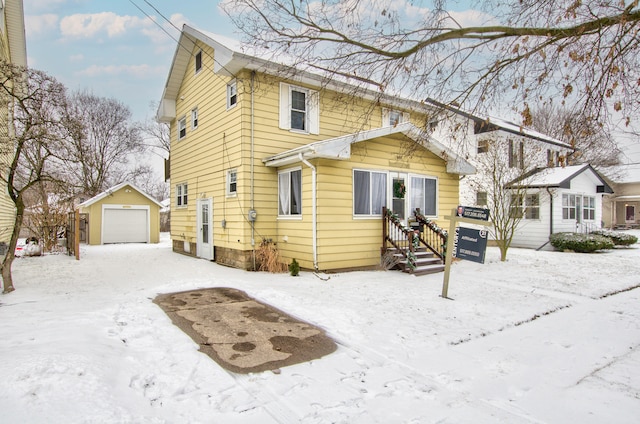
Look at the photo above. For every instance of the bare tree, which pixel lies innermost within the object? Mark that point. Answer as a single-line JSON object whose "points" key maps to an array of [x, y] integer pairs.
{"points": [[101, 150], [39, 125], [156, 134], [508, 203], [594, 144], [584, 52]]}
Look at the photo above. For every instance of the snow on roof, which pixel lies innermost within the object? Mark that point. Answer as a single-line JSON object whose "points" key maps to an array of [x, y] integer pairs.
{"points": [[112, 190], [559, 177]]}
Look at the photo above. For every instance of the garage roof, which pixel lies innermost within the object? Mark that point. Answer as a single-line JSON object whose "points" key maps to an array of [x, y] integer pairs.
{"points": [[112, 190]]}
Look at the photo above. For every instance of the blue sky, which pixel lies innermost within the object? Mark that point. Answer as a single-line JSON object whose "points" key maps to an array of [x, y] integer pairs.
{"points": [[112, 48]]}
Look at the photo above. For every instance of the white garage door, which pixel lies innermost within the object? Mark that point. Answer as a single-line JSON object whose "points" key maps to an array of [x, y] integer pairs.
{"points": [[125, 226]]}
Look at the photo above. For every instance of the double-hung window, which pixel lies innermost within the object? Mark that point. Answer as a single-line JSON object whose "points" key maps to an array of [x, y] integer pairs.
{"points": [[568, 206], [181, 195], [369, 192], [526, 206], [232, 94], [182, 128], [290, 193], [194, 118], [299, 109], [516, 154], [232, 182], [424, 195], [588, 208]]}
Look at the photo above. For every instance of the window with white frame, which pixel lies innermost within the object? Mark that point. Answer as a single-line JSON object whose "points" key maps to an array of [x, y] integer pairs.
{"points": [[198, 62], [182, 128], [525, 206], [481, 198], [588, 208], [232, 94], [424, 196], [568, 206], [194, 118], [392, 117], [232, 182], [290, 193], [299, 109], [369, 192], [181, 195]]}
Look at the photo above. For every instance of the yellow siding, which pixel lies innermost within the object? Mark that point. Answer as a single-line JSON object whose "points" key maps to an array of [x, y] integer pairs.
{"points": [[7, 209], [122, 197], [223, 141]]}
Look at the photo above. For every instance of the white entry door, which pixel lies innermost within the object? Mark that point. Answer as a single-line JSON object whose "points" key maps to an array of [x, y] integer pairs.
{"points": [[204, 241]]}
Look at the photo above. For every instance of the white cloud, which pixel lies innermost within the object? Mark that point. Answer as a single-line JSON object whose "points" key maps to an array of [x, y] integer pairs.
{"points": [[76, 57], [95, 24], [137, 71], [36, 25]]}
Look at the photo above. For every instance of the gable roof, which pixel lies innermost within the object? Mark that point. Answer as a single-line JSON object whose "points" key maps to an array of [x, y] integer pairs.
{"points": [[486, 123], [559, 177], [339, 148], [112, 190]]}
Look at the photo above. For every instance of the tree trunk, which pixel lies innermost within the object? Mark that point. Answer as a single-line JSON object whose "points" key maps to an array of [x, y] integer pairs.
{"points": [[7, 278]]}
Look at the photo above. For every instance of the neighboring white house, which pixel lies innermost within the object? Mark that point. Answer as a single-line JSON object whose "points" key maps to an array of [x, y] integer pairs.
{"points": [[622, 208], [559, 200], [475, 135]]}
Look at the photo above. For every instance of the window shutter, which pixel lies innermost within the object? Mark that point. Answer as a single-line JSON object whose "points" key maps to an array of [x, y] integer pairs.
{"points": [[285, 107], [314, 112]]}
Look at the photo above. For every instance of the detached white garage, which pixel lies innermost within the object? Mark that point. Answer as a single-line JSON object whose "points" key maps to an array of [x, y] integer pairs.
{"points": [[122, 214]]}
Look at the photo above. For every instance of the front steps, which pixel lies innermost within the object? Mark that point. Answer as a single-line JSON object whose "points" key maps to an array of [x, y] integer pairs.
{"points": [[426, 262]]}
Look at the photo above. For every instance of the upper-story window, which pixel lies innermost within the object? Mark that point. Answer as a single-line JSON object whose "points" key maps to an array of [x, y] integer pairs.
{"points": [[194, 118], [483, 146], [182, 128], [299, 109], [232, 182], [392, 117], [516, 154], [232, 94], [198, 61]]}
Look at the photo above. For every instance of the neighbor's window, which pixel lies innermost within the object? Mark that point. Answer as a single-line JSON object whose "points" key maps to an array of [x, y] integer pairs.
{"points": [[568, 206], [516, 154], [588, 208], [198, 61], [181, 194], [369, 192], [232, 94], [483, 146], [182, 128], [391, 117], [194, 119], [423, 195], [526, 206], [290, 193], [299, 109], [232, 182], [481, 198]]}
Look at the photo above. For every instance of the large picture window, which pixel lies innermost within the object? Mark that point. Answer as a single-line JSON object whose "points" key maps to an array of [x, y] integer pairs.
{"points": [[424, 196], [369, 192], [290, 193]]}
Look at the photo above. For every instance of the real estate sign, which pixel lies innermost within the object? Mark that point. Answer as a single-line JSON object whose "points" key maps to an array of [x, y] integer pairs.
{"points": [[470, 244], [473, 213]]}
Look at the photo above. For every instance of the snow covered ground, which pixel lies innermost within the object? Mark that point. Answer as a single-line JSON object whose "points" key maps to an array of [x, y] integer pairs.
{"points": [[546, 337]]}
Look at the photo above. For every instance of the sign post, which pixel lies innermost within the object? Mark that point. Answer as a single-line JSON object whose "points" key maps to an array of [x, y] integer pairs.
{"points": [[465, 243]]}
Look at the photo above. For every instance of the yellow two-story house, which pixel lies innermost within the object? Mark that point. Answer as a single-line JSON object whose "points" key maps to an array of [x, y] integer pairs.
{"points": [[13, 50], [261, 151]]}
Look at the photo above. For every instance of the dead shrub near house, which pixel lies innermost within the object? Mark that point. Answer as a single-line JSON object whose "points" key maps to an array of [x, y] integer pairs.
{"points": [[268, 257]]}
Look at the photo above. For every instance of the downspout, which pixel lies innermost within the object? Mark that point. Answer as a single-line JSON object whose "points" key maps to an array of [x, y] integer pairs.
{"points": [[252, 183], [314, 216]]}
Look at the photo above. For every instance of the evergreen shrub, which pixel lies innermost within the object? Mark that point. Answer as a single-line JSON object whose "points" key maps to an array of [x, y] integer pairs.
{"points": [[581, 243], [618, 238]]}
